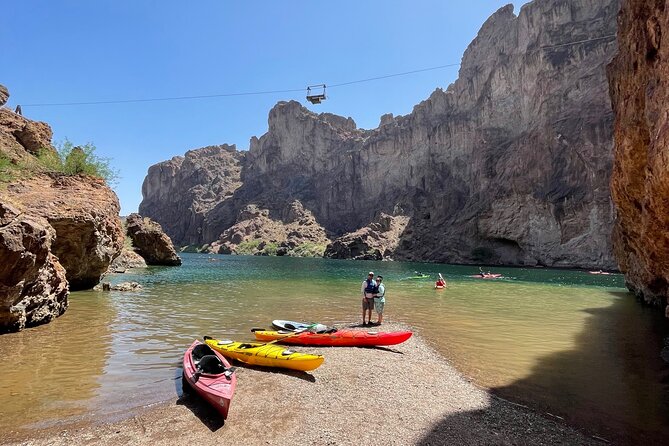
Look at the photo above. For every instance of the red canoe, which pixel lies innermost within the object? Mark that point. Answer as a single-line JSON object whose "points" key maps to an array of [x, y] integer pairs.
{"points": [[338, 338], [210, 374]]}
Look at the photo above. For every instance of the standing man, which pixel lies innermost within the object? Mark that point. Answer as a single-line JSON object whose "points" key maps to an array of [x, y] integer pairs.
{"points": [[379, 299], [369, 289]]}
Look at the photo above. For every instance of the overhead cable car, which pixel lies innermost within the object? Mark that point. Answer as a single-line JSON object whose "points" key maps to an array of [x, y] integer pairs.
{"points": [[317, 95]]}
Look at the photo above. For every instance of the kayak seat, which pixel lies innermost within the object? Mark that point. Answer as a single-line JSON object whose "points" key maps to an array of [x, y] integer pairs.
{"points": [[211, 364]]}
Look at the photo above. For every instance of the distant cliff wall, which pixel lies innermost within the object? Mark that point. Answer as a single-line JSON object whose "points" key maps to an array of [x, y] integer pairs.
{"points": [[511, 164]]}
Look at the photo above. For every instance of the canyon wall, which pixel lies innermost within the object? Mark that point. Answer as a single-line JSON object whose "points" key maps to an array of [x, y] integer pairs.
{"points": [[509, 165], [639, 83]]}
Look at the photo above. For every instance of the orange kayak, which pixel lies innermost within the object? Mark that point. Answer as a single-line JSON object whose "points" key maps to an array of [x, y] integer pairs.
{"points": [[338, 338]]}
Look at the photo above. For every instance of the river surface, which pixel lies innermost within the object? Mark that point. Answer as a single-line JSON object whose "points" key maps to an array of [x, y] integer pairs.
{"points": [[569, 343]]}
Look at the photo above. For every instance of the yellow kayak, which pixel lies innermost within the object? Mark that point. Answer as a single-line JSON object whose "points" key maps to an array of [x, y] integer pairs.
{"points": [[269, 355]]}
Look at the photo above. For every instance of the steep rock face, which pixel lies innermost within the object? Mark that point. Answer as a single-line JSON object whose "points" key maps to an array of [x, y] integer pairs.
{"points": [[510, 165], [33, 288], [377, 241], [295, 232], [83, 211], [151, 242], [639, 82], [179, 193]]}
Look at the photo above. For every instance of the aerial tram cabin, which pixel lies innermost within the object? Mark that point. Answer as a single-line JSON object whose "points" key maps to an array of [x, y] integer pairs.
{"points": [[317, 95]]}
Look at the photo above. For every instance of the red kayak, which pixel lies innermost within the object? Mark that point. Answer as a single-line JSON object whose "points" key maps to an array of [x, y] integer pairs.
{"points": [[210, 374], [487, 276], [336, 338]]}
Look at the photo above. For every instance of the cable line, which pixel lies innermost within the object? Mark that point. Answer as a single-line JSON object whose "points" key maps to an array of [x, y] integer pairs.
{"points": [[222, 95], [291, 90]]}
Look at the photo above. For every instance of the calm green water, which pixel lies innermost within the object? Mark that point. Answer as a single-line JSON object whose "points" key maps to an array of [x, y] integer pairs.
{"points": [[566, 342]]}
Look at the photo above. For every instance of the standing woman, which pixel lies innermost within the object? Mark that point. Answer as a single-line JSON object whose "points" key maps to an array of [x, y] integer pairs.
{"points": [[380, 299]]}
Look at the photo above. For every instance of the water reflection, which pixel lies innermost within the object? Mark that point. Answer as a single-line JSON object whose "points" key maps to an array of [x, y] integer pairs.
{"points": [[52, 371]]}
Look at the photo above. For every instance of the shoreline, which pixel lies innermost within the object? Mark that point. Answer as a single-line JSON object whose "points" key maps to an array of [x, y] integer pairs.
{"points": [[398, 395]]}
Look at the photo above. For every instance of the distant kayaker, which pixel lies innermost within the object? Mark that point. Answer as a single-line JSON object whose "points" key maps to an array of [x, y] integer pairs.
{"points": [[369, 289], [441, 282], [481, 273], [379, 299]]}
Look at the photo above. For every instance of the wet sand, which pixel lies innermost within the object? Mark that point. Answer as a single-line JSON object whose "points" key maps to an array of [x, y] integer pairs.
{"points": [[399, 395]]}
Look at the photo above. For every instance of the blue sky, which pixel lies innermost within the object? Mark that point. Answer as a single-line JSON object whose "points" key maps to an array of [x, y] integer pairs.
{"points": [[103, 50]]}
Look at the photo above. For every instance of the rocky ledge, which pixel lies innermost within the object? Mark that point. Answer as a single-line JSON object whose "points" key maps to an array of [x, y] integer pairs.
{"points": [[378, 241], [293, 232]]}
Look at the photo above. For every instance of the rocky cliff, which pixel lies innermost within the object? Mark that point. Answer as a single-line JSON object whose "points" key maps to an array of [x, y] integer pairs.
{"points": [[510, 164], [56, 231], [639, 82]]}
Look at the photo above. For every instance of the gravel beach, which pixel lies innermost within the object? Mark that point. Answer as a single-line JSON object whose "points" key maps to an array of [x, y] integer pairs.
{"points": [[400, 395]]}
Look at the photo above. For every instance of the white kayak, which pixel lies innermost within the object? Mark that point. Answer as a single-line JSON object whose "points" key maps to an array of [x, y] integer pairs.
{"points": [[297, 326]]}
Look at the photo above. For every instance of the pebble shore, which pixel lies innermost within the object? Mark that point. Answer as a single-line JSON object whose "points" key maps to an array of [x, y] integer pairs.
{"points": [[400, 395]]}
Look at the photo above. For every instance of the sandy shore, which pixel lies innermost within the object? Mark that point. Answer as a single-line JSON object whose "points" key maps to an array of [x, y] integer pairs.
{"points": [[402, 395]]}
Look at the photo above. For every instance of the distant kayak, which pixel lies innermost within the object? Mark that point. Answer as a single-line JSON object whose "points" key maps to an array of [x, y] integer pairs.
{"points": [[210, 375], [487, 276], [338, 338], [424, 276], [603, 273]]}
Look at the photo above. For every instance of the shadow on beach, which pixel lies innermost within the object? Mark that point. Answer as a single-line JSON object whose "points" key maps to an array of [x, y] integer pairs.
{"points": [[196, 404], [626, 339]]}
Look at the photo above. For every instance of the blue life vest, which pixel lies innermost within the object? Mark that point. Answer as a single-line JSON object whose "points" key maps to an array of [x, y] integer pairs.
{"points": [[371, 286]]}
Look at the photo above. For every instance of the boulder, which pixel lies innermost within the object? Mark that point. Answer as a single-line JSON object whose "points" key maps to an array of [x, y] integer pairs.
{"points": [[127, 259], [33, 287], [83, 211], [151, 242], [4, 95]]}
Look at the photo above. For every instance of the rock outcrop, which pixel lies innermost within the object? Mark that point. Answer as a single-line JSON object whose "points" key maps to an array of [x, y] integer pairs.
{"points": [[295, 232], [83, 211], [56, 231], [510, 164], [639, 82], [33, 288], [150, 242], [4, 95], [127, 259], [378, 241]]}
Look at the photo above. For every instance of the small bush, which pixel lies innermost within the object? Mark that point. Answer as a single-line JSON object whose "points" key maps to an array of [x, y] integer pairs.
{"points": [[79, 160], [270, 249], [308, 249], [247, 247]]}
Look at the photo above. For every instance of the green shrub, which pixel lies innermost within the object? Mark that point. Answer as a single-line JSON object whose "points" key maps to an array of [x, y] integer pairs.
{"points": [[247, 247], [71, 160], [308, 249], [270, 249], [7, 169]]}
